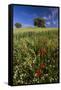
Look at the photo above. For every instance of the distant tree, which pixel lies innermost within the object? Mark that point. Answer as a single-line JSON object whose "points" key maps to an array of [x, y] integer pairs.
{"points": [[39, 22], [18, 25]]}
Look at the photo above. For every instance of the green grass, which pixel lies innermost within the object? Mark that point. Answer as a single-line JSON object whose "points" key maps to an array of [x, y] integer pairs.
{"points": [[35, 55]]}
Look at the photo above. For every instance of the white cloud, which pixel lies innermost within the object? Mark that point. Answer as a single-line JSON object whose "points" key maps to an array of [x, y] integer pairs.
{"points": [[48, 23], [54, 12], [45, 17], [54, 22]]}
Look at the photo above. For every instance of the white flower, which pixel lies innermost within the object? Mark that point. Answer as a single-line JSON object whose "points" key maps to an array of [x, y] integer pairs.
{"points": [[48, 60], [46, 75], [43, 78], [51, 79], [53, 66], [50, 65]]}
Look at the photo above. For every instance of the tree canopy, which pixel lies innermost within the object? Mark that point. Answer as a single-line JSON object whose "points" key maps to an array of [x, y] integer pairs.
{"points": [[39, 22], [18, 25]]}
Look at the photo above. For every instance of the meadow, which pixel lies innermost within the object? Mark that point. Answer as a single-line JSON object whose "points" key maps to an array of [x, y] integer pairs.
{"points": [[35, 55]]}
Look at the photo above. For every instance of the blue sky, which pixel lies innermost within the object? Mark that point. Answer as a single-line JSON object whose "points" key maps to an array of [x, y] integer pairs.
{"points": [[26, 14]]}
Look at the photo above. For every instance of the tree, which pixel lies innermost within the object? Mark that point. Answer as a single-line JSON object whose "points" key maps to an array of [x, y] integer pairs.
{"points": [[39, 22], [18, 25]]}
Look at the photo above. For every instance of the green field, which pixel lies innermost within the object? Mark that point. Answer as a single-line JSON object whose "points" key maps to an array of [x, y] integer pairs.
{"points": [[33, 29], [35, 55]]}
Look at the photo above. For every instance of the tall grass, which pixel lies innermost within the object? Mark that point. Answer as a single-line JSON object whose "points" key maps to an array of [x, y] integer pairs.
{"points": [[35, 56]]}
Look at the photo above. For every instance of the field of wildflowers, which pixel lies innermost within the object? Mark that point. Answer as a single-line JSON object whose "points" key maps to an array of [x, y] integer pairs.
{"points": [[35, 57]]}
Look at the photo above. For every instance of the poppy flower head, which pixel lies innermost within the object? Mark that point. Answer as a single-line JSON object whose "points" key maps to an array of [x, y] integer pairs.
{"points": [[38, 73], [42, 66], [42, 51]]}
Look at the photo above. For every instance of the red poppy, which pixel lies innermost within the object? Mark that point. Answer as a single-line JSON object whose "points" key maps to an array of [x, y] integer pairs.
{"points": [[38, 73], [42, 66], [42, 51]]}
